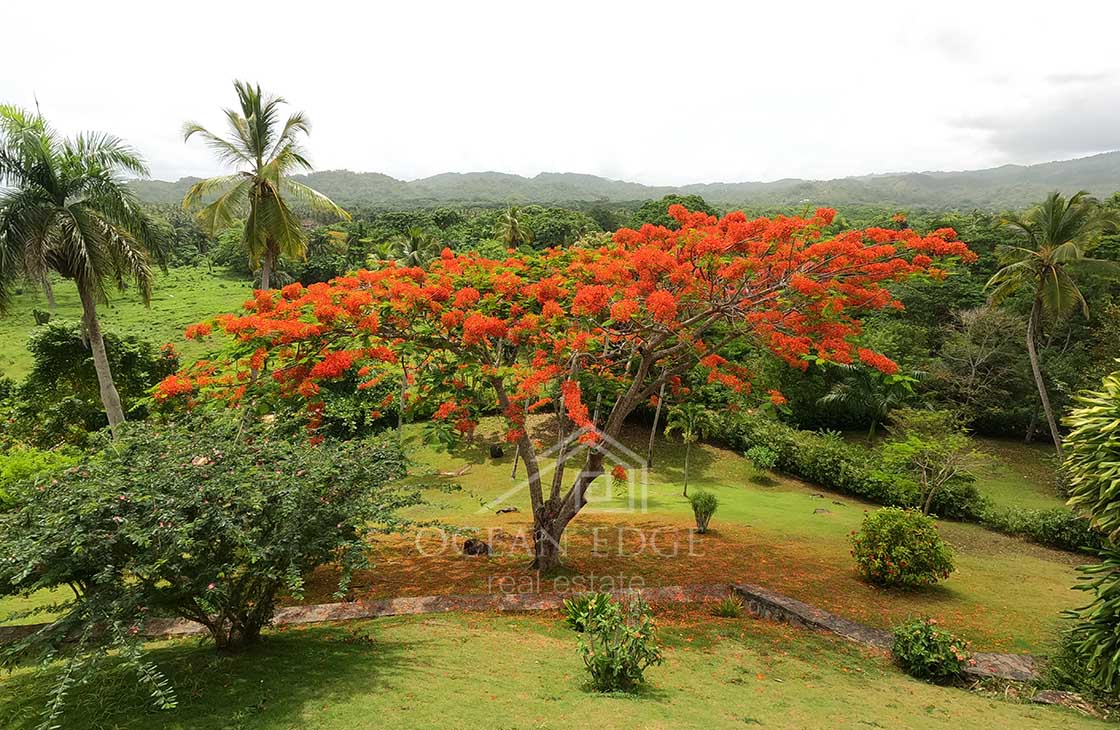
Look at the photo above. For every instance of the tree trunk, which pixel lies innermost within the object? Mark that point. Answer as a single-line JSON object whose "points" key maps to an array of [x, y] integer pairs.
{"points": [[400, 407], [687, 453], [1029, 438], [547, 534], [48, 292], [266, 270], [653, 431], [110, 398], [1036, 369]]}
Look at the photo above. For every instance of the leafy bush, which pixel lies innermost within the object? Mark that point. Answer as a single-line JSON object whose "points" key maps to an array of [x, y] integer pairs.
{"points": [[704, 505], [1092, 454], [897, 547], [927, 652], [729, 607], [584, 609], [763, 457], [196, 521], [619, 644]]}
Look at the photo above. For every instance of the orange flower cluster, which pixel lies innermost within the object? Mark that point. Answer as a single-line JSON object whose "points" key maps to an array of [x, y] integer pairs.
{"points": [[474, 326]]}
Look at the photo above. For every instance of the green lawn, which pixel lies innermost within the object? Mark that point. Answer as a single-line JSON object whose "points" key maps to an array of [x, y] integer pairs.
{"points": [[487, 671], [1006, 593], [1018, 474], [181, 297]]}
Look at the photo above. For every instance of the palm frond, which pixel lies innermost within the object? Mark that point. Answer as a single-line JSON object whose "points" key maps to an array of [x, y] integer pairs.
{"points": [[313, 199]]}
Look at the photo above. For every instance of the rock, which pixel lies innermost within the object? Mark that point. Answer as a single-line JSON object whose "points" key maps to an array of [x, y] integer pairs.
{"points": [[506, 510], [474, 546], [496, 451], [841, 504], [822, 511], [1071, 700], [1056, 697], [816, 495]]}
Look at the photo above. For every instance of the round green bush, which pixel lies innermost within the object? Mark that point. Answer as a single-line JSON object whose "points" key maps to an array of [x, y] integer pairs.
{"points": [[927, 652], [897, 547]]}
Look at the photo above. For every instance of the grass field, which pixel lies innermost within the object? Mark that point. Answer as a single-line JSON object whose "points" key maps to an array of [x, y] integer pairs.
{"points": [[497, 671], [181, 297], [1007, 594]]}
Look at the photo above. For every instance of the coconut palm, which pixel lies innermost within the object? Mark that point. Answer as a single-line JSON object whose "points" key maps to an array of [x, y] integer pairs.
{"points": [[1058, 235], [692, 421], [264, 153], [65, 208], [511, 228], [414, 247]]}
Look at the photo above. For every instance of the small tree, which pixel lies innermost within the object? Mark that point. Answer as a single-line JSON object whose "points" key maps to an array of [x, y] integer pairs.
{"points": [[933, 448], [197, 521], [692, 421]]}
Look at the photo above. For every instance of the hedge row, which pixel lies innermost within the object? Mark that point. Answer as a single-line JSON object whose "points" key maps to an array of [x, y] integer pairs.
{"points": [[830, 461]]}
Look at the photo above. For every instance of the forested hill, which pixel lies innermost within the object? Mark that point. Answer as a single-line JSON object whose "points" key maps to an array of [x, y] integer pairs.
{"points": [[1009, 186]]}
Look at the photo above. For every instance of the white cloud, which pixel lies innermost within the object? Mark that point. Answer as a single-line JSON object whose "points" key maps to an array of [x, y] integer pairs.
{"points": [[658, 92]]}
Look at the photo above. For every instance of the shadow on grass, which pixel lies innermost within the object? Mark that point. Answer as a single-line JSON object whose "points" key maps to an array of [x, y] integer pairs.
{"points": [[279, 683]]}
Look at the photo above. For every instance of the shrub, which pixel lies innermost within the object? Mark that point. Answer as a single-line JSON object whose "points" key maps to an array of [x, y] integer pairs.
{"points": [[1057, 527], [197, 521], [897, 547], [704, 505], [763, 457], [583, 609], [619, 644], [927, 652], [729, 607]]}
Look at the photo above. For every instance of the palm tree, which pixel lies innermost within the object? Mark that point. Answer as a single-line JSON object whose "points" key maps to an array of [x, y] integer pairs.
{"points": [[511, 228], [65, 207], [414, 247], [1058, 234], [264, 153], [866, 392], [692, 420]]}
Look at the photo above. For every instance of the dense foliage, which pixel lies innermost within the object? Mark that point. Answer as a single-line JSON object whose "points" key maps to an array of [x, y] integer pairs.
{"points": [[927, 652], [197, 521], [59, 401], [1093, 464], [902, 548], [619, 643]]}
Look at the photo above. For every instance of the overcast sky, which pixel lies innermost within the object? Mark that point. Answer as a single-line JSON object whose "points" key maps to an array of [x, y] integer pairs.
{"points": [[662, 93]]}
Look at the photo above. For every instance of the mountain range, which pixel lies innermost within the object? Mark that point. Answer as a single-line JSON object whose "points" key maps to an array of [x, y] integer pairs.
{"points": [[997, 188]]}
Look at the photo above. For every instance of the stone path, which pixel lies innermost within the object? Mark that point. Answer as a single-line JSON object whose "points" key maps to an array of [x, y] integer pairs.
{"points": [[759, 601]]}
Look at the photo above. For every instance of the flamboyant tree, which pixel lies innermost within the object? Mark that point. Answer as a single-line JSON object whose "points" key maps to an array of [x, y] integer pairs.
{"points": [[618, 320]]}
